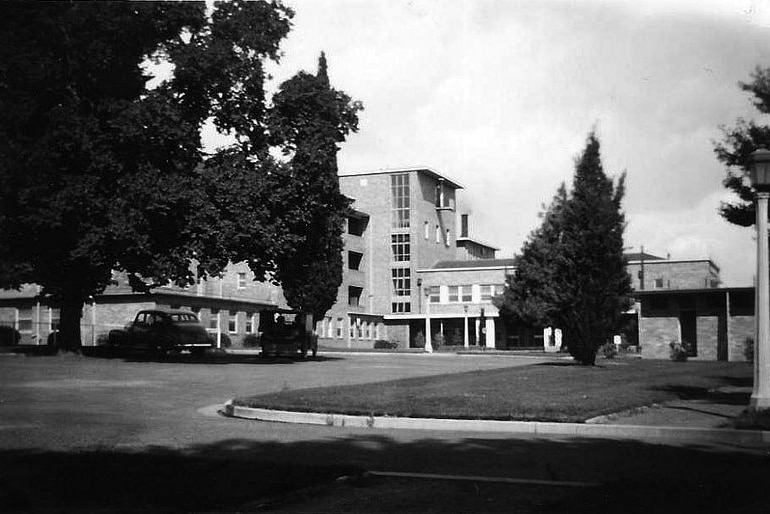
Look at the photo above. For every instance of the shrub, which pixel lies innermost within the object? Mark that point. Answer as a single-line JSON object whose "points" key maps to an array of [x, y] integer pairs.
{"points": [[609, 350], [455, 338], [438, 340], [679, 351], [9, 336], [385, 345], [748, 349], [419, 340], [250, 341]]}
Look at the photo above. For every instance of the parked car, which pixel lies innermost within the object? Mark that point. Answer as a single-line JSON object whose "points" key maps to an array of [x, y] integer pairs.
{"points": [[286, 332], [161, 331]]}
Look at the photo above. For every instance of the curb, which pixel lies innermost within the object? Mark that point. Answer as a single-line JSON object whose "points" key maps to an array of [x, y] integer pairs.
{"points": [[516, 427]]}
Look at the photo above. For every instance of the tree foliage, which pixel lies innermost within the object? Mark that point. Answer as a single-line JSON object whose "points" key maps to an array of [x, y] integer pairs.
{"points": [[100, 173], [737, 145], [313, 118], [571, 272]]}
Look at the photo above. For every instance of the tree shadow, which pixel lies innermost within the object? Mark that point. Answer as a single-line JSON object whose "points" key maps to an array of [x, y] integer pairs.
{"points": [[212, 357], [706, 394], [242, 474]]}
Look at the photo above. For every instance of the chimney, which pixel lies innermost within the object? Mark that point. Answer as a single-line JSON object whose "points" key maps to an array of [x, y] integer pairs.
{"points": [[463, 225]]}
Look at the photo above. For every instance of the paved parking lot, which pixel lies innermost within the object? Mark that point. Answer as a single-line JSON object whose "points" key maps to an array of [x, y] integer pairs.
{"points": [[127, 434]]}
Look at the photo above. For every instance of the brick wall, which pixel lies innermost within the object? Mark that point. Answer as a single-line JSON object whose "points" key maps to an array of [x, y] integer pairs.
{"points": [[707, 333], [655, 334], [741, 328], [674, 274]]}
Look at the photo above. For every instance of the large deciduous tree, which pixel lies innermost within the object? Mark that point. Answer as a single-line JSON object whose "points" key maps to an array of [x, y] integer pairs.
{"points": [[737, 145], [98, 172], [571, 272]]}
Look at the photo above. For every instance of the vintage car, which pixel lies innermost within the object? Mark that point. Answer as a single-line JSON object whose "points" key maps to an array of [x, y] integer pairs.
{"points": [[286, 332], [161, 331]]}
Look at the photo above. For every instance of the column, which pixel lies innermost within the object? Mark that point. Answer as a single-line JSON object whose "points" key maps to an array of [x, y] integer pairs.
{"points": [[760, 397]]}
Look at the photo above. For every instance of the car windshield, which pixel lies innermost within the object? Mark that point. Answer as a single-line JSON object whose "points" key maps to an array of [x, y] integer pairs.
{"points": [[183, 316]]}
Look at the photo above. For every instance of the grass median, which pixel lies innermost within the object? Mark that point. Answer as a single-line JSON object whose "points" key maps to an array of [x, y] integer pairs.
{"points": [[553, 391]]}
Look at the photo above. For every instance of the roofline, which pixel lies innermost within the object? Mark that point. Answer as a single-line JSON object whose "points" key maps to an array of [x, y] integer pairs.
{"points": [[658, 292], [477, 268], [387, 171], [477, 241], [656, 261]]}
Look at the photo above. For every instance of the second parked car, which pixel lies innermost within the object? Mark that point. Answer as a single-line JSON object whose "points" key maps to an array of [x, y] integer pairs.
{"points": [[161, 331]]}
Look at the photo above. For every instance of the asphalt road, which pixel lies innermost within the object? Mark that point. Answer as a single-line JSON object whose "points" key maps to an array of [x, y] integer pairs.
{"points": [[88, 434]]}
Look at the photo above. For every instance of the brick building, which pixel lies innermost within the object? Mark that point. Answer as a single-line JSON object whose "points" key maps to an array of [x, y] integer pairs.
{"points": [[408, 272], [681, 300]]}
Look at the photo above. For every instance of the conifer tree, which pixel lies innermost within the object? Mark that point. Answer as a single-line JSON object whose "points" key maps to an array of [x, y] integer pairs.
{"points": [[313, 118], [736, 147], [571, 272], [591, 284]]}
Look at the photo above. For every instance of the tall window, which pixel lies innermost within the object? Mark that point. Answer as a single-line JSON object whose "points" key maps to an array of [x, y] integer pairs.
{"points": [[448, 237], [434, 294], [399, 188], [427, 230], [399, 243], [241, 280], [466, 294], [402, 289], [438, 234], [454, 293], [232, 323]]}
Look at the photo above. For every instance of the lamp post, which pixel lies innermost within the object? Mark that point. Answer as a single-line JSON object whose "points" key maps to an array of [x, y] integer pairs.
{"points": [[760, 180]]}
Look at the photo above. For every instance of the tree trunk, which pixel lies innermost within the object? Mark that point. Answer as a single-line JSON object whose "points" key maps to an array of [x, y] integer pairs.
{"points": [[70, 314]]}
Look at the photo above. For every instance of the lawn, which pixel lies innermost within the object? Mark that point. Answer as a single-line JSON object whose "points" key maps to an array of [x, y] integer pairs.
{"points": [[552, 391]]}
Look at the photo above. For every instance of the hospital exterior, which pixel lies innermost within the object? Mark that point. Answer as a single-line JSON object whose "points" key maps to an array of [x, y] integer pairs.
{"points": [[412, 271]]}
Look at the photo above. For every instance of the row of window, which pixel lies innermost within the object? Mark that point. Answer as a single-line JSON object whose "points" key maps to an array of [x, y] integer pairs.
{"points": [[25, 319], [468, 293], [357, 328]]}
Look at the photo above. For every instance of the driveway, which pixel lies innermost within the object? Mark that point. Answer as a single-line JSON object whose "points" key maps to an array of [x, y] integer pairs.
{"points": [[126, 434]]}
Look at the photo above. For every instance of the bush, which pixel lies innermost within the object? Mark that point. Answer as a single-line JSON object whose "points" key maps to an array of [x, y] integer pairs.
{"points": [[419, 340], [250, 341], [748, 349], [679, 351], [9, 336], [609, 350], [455, 338], [438, 341], [382, 344]]}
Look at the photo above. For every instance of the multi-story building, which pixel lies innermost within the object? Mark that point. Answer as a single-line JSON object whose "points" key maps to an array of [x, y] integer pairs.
{"points": [[650, 272], [403, 254]]}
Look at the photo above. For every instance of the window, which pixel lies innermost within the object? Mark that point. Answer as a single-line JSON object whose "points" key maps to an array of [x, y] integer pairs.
{"points": [[367, 330], [434, 294], [448, 237], [489, 291], [24, 320], [339, 328], [438, 234], [214, 319], [400, 307], [352, 329], [354, 296], [466, 294], [658, 283], [427, 230], [249, 325], [402, 284], [354, 260], [454, 293], [232, 323], [399, 188], [356, 226], [53, 316], [329, 323], [399, 244], [241, 280]]}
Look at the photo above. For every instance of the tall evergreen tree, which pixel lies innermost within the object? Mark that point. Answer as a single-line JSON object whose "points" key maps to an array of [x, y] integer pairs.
{"points": [[592, 286], [313, 118], [571, 272], [737, 145]]}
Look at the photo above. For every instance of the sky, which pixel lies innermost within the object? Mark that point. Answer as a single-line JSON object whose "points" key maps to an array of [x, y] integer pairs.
{"points": [[501, 95]]}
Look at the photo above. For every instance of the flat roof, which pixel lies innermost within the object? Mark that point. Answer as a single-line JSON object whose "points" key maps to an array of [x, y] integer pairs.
{"points": [[468, 265], [387, 171], [674, 261]]}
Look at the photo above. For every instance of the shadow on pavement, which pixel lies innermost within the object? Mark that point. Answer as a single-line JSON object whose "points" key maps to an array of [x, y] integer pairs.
{"points": [[725, 397], [244, 475]]}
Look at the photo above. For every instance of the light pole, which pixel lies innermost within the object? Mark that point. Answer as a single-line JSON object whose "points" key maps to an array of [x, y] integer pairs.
{"points": [[760, 180]]}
